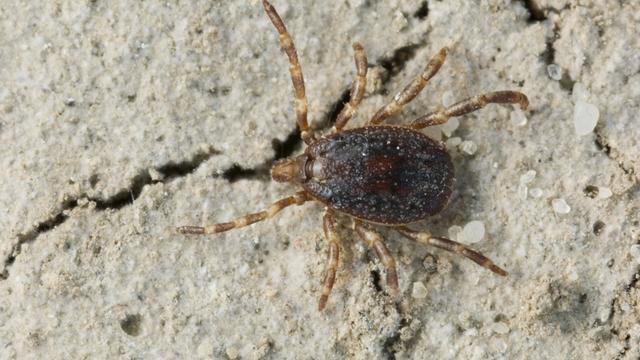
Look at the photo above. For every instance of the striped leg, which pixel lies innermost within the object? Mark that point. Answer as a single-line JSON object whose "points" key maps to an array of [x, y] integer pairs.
{"points": [[357, 88], [452, 246], [332, 258], [412, 90], [294, 68], [298, 198], [469, 105], [374, 240]]}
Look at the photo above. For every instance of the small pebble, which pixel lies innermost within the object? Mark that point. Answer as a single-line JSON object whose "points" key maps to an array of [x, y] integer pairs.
{"points": [[450, 126], [452, 143], [527, 177], [604, 193], [523, 191], [518, 118], [585, 117], [535, 193], [419, 291], [399, 21], [454, 232], [554, 71], [560, 206], [155, 174], [500, 328], [232, 353], [469, 147], [473, 232]]}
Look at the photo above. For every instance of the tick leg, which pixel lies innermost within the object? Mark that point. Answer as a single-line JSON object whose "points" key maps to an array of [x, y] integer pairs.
{"points": [[297, 199], [411, 90], [333, 239], [452, 246], [286, 42], [469, 105], [374, 240], [357, 88]]}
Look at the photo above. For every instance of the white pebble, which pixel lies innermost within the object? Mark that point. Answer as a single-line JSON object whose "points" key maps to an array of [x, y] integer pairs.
{"points": [[469, 147], [604, 193], [579, 92], [448, 99], [635, 252], [500, 328], [585, 117], [473, 232], [523, 191], [518, 118], [232, 353], [528, 177], [450, 126], [451, 143], [419, 291], [454, 232], [560, 206], [399, 21], [536, 193], [554, 71]]}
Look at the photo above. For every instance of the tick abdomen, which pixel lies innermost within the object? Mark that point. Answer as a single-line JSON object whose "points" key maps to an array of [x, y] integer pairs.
{"points": [[383, 174]]}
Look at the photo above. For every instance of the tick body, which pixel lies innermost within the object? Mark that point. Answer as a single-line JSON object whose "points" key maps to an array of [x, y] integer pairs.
{"points": [[377, 175], [382, 174]]}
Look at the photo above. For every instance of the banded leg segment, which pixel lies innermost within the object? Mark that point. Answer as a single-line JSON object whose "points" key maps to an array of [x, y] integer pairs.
{"points": [[333, 256], [357, 88], [298, 198], [451, 246], [374, 240], [411, 90], [286, 42], [469, 105]]}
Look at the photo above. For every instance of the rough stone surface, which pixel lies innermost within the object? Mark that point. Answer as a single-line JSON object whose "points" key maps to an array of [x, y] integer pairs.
{"points": [[120, 120]]}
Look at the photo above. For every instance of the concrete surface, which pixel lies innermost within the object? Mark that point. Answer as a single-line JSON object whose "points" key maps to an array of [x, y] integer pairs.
{"points": [[120, 120]]}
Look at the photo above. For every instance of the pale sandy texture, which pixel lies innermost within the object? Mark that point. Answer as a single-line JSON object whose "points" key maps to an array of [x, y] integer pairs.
{"points": [[122, 119]]}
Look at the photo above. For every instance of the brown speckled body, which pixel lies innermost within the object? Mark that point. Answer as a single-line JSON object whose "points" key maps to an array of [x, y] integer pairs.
{"points": [[384, 174]]}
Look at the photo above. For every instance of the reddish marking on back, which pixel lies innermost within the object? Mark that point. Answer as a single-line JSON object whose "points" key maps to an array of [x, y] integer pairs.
{"points": [[380, 164]]}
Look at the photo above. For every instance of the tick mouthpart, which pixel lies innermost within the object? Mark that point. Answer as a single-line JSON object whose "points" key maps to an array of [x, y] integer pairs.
{"points": [[289, 170]]}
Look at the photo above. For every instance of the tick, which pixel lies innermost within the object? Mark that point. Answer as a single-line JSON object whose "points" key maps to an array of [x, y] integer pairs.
{"points": [[377, 175]]}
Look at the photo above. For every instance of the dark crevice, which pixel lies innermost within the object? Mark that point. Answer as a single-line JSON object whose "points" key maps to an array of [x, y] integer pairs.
{"points": [[237, 172], [566, 82], [397, 61], [281, 148], [284, 149], [536, 14], [375, 280], [549, 53], [423, 11], [336, 108], [602, 145], [117, 201], [126, 196], [173, 170], [167, 172], [31, 235]]}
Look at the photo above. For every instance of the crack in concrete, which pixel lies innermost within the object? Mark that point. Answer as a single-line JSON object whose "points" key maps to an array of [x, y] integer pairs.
{"points": [[615, 155], [168, 172], [536, 13]]}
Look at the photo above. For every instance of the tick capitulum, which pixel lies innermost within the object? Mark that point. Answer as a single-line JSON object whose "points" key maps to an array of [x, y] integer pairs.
{"points": [[376, 174]]}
